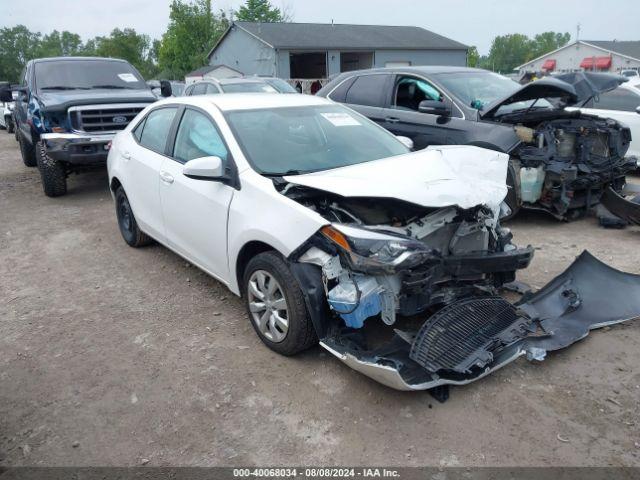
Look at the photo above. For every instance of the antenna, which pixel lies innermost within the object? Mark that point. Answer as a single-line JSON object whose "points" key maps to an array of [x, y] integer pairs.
{"points": [[578, 31]]}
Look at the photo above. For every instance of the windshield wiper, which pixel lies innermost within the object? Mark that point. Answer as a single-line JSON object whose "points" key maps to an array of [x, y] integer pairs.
{"points": [[63, 87], [119, 87], [282, 174]]}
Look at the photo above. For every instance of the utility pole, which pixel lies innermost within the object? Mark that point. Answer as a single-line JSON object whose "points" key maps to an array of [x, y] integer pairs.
{"points": [[578, 31]]}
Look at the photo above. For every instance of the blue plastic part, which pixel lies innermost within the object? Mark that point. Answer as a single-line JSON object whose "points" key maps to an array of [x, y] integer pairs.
{"points": [[369, 306]]}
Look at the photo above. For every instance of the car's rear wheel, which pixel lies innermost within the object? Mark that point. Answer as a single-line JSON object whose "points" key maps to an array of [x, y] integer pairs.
{"points": [[129, 228], [28, 152], [9, 122], [276, 306]]}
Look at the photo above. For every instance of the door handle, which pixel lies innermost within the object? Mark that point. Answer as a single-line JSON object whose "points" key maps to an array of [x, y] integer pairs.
{"points": [[166, 177], [126, 155], [392, 119]]}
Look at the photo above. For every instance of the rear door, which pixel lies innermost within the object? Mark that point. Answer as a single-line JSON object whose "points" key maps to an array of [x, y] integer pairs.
{"points": [[195, 211], [402, 116], [367, 94], [141, 160]]}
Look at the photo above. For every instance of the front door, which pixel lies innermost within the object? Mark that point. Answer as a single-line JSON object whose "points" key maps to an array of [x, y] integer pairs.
{"points": [[195, 211], [403, 117]]}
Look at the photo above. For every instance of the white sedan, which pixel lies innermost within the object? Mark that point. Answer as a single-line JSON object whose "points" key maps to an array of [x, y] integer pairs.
{"points": [[329, 227], [623, 105]]}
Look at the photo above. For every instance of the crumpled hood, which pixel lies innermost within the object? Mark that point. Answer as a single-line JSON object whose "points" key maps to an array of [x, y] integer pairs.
{"points": [[570, 88], [438, 176], [61, 100]]}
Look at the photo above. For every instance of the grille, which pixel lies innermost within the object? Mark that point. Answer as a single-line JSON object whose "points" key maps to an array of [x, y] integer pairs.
{"points": [[462, 334], [104, 119]]}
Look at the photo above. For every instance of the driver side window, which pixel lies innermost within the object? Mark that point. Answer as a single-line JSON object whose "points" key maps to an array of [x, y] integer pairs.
{"points": [[410, 91], [198, 137]]}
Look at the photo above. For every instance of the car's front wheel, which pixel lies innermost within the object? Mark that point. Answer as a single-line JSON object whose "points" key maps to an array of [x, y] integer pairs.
{"points": [[276, 306], [9, 122], [127, 222], [52, 173]]}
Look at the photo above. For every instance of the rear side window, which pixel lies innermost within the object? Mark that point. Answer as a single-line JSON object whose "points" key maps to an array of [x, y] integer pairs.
{"points": [[156, 129], [212, 89], [199, 89], [198, 137], [618, 99], [367, 90], [339, 94]]}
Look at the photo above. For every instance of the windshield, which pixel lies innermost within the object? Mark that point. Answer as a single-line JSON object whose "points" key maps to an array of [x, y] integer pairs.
{"points": [[281, 85], [306, 139], [85, 74], [248, 87], [480, 89]]}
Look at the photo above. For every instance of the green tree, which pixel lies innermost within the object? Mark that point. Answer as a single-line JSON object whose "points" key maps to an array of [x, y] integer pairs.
{"points": [[473, 57], [18, 45], [509, 51], [193, 30], [259, 11], [547, 42], [57, 44], [129, 45]]}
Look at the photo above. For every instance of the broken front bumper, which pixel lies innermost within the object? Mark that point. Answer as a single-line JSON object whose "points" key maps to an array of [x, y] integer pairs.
{"points": [[469, 339]]}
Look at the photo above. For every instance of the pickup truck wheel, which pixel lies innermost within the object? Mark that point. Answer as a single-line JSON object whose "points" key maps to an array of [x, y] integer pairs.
{"points": [[27, 152], [127, 222], [276, 306], [54, 177]]}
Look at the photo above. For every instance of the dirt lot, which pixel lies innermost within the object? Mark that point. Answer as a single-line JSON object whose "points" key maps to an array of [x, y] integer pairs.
{"points": [[115, 356]]}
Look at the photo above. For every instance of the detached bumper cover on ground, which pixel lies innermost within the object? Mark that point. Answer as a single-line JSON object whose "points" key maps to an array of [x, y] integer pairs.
{"points": [[471, 338]]}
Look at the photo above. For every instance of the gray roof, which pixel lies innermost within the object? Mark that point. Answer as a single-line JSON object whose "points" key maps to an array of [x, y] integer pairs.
{"points": [[628, 48], [341, 36]]}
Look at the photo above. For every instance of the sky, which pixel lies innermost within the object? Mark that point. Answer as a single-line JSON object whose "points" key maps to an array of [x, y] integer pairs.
{"points": [[472, 22]]}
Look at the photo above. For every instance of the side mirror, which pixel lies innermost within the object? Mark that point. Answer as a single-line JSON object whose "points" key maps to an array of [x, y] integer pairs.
{"points": [[434, 107], [205, 168], [406, 141], [165, 88]]}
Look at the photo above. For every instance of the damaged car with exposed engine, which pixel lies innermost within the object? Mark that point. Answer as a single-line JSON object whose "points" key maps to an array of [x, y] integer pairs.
{"points": [[333, 231], [561, 162]]}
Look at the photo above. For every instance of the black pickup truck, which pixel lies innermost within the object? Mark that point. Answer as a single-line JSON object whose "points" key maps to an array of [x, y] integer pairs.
{"points": [[69, 108]]}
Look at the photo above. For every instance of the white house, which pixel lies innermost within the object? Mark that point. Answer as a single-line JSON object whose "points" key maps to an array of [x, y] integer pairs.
{"points": [[592, 55]]}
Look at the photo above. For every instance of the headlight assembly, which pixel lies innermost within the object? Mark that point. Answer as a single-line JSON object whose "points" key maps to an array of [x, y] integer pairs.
{"points": [[377, 253]]}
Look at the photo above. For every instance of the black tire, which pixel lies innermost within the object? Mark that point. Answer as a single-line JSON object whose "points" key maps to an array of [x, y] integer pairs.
{"points": [[28, 152], [513, 195], [9, 123], [129, 228], [300, 334], [52, 173]]}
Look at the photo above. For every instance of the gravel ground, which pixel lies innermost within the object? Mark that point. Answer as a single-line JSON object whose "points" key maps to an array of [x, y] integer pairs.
{"points": [[115, 356]]}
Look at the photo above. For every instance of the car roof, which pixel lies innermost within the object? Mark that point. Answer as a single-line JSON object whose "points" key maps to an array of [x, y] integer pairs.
{"points": [[76, 59], [247, 101], [229, 81], [430, 69]]}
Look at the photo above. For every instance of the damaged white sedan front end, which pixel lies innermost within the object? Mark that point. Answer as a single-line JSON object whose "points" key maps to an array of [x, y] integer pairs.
{"points": [[334, 232]]}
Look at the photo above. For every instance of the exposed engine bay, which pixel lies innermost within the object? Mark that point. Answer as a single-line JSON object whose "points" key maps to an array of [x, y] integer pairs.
{"points": [[567, 160], [409, 296]]}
